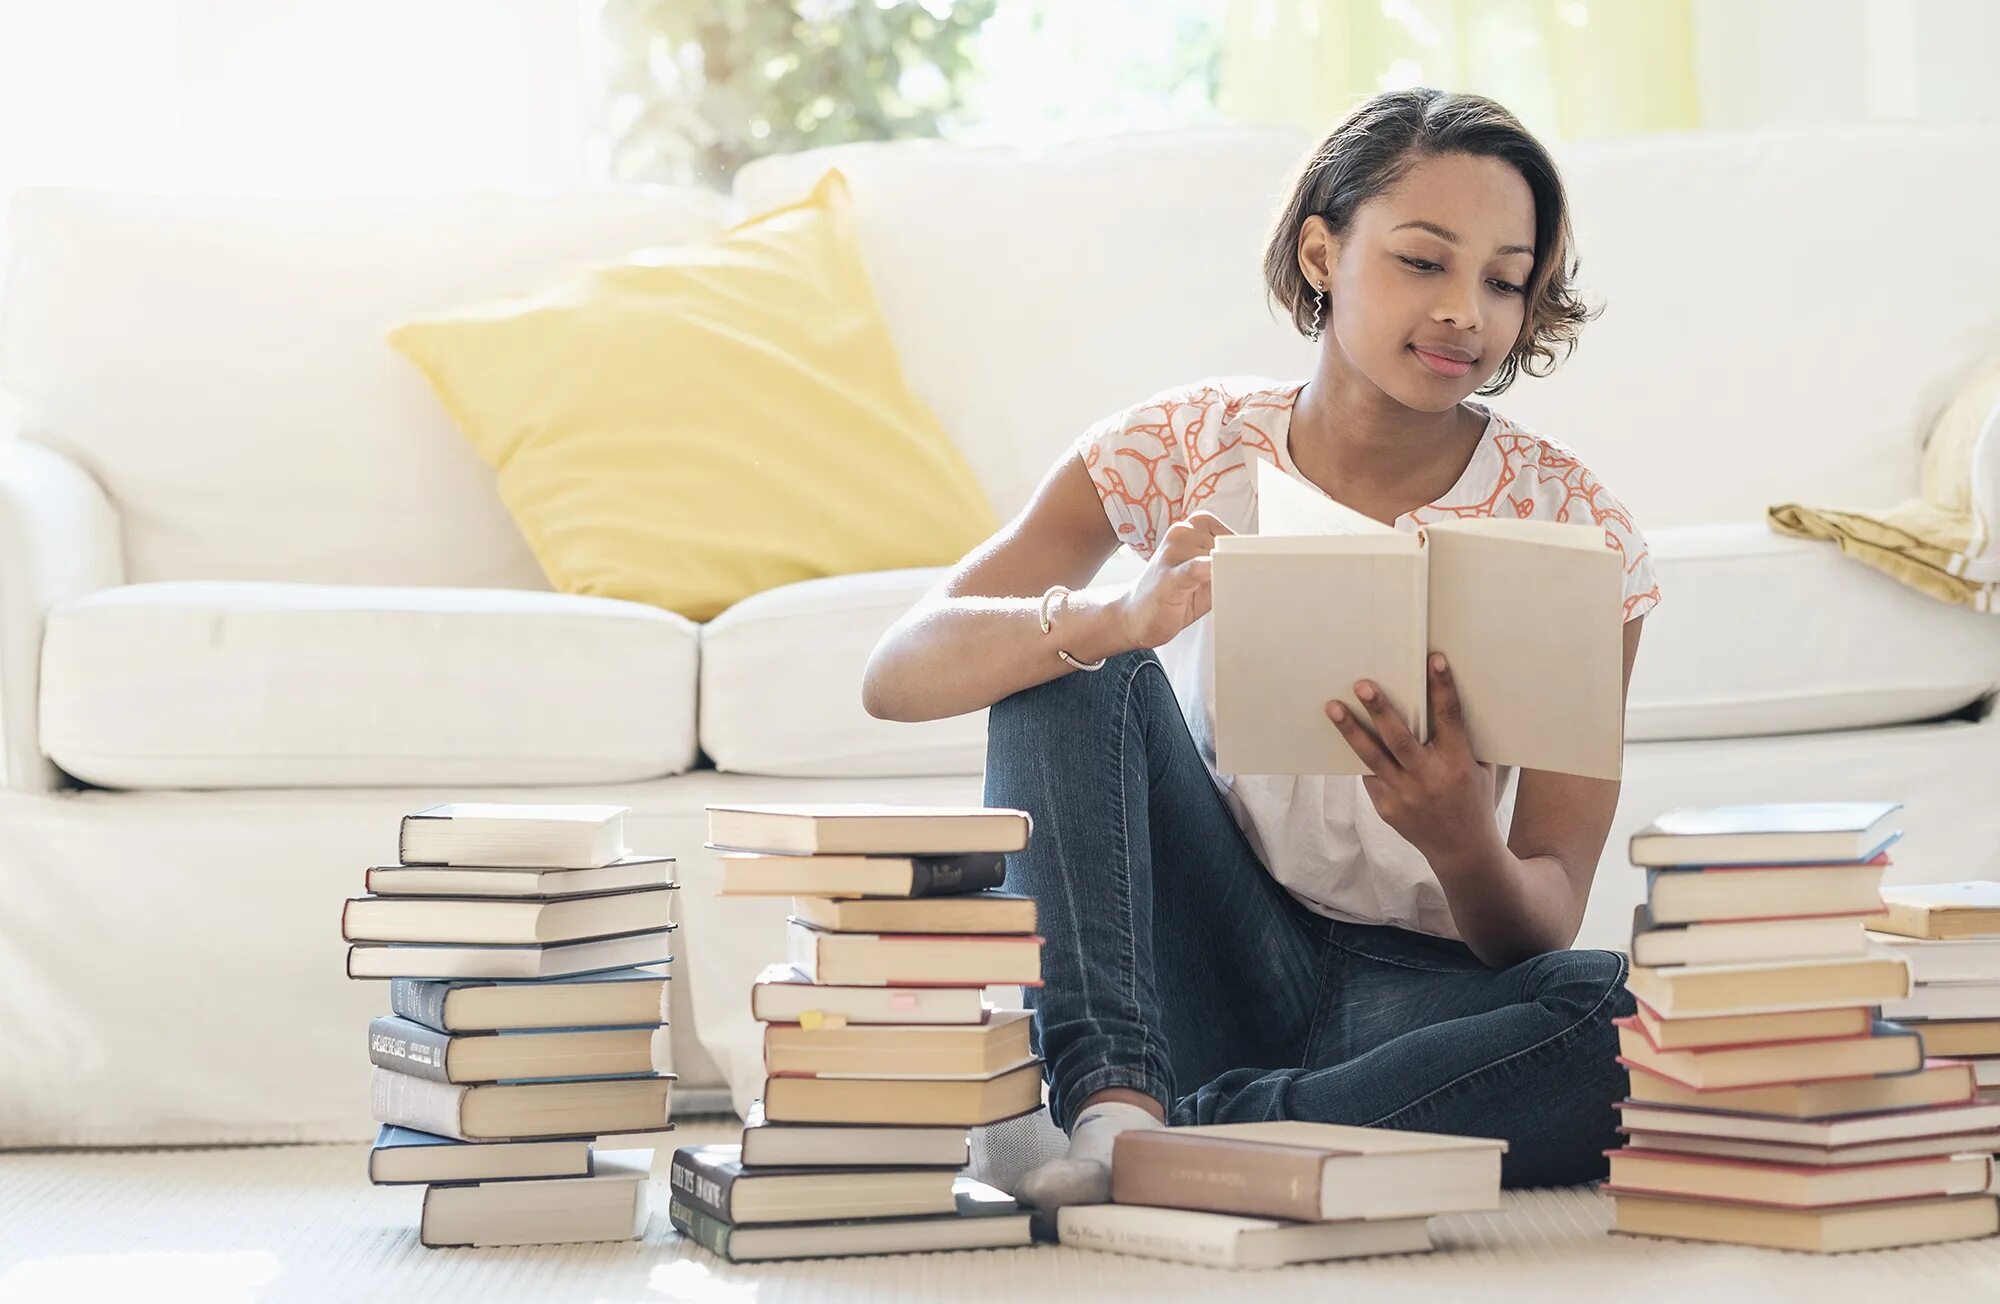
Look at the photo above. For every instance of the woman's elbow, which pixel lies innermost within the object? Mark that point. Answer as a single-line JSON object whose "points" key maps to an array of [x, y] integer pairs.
{"points": [[878, 695]]}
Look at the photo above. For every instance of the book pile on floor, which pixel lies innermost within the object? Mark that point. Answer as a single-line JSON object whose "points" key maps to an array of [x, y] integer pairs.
{"points": [[1261, 1195], [1950, 934], [519, 1077], [880, 1049], [1770, 1104]]}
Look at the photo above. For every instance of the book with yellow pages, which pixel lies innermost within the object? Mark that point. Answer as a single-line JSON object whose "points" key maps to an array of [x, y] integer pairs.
{"points": [[1796, 1186], [1825, 1231], [866, 829], [1941, 1082], [1886, 1048], [1770, 988], [1502, 599], [1940, 910]]}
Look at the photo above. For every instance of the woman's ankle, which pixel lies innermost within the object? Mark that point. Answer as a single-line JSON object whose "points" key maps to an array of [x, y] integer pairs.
{"points": [[1124, 1096]]}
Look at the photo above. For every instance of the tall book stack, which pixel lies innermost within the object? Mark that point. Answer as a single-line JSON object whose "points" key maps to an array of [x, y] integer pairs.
{"points": [[1261, 1195], [1770, 1103], [528, 1026], [1950, 934], [880, 1049]]}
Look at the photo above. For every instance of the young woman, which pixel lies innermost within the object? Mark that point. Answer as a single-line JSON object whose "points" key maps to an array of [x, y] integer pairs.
{"points": [[1227, 948]]}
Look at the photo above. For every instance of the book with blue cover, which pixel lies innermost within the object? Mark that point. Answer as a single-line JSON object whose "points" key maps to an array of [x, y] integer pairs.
{"points": [[1773, 833]]}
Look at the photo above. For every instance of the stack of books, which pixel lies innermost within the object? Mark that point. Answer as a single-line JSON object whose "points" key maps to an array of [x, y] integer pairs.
{"points": [[528, 1024], [880, 1048], [1261, 1195], [1770, 1103], [1950, 934]]}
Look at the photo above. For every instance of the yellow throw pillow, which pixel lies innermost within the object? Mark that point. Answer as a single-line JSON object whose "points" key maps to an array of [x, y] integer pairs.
{"points": [[704, 422]]}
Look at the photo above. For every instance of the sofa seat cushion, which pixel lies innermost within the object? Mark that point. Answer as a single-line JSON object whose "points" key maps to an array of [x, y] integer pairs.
{"points": [[1757, 634], [232, 684]]}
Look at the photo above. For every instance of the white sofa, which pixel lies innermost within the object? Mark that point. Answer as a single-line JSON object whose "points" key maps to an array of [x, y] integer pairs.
{"points": [[258, 598]]}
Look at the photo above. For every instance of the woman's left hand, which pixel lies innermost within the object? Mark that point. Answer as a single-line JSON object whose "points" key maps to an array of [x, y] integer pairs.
{"points": [[1434, 794]]}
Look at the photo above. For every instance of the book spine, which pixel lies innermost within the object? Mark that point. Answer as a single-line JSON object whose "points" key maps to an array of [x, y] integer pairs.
{"points": [[802, 950], [1216, 1250], [420, 1001], [705, 1230], [404, 1101], [951, 875], [1262, 1181], [701, 1187], [410, 1048], [403, 842]]}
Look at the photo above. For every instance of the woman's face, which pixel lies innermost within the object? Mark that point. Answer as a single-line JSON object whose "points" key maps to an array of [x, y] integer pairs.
{"points": [[1426, 295]]}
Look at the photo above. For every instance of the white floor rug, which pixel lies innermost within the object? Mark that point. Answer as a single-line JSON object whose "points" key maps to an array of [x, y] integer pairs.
{"points": [[302, 1223]]}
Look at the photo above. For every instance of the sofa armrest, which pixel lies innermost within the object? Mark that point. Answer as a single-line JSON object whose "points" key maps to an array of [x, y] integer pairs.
{"points": [[59, 539]]}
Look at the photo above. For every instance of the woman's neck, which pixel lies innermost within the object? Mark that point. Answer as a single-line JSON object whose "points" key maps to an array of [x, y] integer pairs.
{"points": [[1347, 435]]}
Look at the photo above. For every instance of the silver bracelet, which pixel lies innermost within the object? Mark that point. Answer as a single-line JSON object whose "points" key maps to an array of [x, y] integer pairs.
{"points": [[1061, 593]]}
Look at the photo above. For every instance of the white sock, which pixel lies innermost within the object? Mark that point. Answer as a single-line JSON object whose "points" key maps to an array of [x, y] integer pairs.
{"points": [[1083, 1176]]}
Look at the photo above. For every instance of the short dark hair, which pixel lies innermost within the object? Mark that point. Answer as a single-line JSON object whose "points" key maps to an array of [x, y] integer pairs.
{"points": [[1374, 146]]}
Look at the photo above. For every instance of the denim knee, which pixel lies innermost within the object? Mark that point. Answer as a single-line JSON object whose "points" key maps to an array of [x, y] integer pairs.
{"points": [[1585, 985], [1066, 700]]}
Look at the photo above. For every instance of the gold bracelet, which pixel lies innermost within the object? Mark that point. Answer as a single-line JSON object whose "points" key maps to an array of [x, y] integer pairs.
{"points": [[1061, 593]]}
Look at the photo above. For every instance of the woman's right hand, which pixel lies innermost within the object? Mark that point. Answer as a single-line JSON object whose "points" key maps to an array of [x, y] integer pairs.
{"points": [[1173, 591]]}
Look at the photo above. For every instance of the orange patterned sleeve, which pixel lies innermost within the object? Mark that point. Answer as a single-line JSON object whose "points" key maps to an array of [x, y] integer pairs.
{"points": [[1642, 586], [1138, 463]]}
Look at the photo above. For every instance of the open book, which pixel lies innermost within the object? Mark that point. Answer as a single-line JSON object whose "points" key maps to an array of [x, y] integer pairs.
{"points": [[1529, 614]]}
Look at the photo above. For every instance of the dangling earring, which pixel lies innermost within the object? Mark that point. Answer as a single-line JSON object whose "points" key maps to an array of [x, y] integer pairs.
{"points": [[1319, 302]]}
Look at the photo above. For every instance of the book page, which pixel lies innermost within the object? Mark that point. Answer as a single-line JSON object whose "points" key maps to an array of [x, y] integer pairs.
{"points": [[1296, 621], [1287, 505], [1533, 629]]}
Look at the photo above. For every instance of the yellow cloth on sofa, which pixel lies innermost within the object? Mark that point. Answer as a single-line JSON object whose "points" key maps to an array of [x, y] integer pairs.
{"points": [[1942, 541], [699, 423]]}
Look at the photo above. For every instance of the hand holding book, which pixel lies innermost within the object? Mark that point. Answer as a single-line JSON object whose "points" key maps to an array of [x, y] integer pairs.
{"points": [[1435, 794]]}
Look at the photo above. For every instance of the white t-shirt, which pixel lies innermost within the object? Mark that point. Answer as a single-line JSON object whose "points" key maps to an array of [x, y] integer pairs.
{"points": [[1189, 449]]}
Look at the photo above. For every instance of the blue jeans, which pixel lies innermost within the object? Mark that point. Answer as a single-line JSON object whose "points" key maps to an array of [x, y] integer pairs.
{"points": [[1176, 966]]}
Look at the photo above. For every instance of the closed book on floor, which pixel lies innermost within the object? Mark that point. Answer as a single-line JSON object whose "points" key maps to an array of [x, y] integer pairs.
{"points": [[556, 960], [983, 1219], [479, 921], [1800, 1186], [1941, 1082], [1772, 1152], [782, 994], [1829, 1133], [519, 1111], [713, 1179], [1967, 960], [1746, 892], [622, 997], [964, 1102], [1502, 599], [409, 1047], [1767, 834], [1221, 1240], [1826, 1231], [507, 833], [899, 1050], [1770, 988], [747, 873], [1946, 1001], [975, 912], [1749, 941], [1940, 910], [866, 829], [912, 959], [403, 1156], [1703, 1032], [621, 875], [612, 1204], [1308, 1172], [1887, 1048], [851, 1145]]}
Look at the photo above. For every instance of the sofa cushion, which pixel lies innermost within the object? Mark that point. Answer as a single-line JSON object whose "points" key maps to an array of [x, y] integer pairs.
{"points": [[245, 685], [1758, 635], [218, 364]]}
